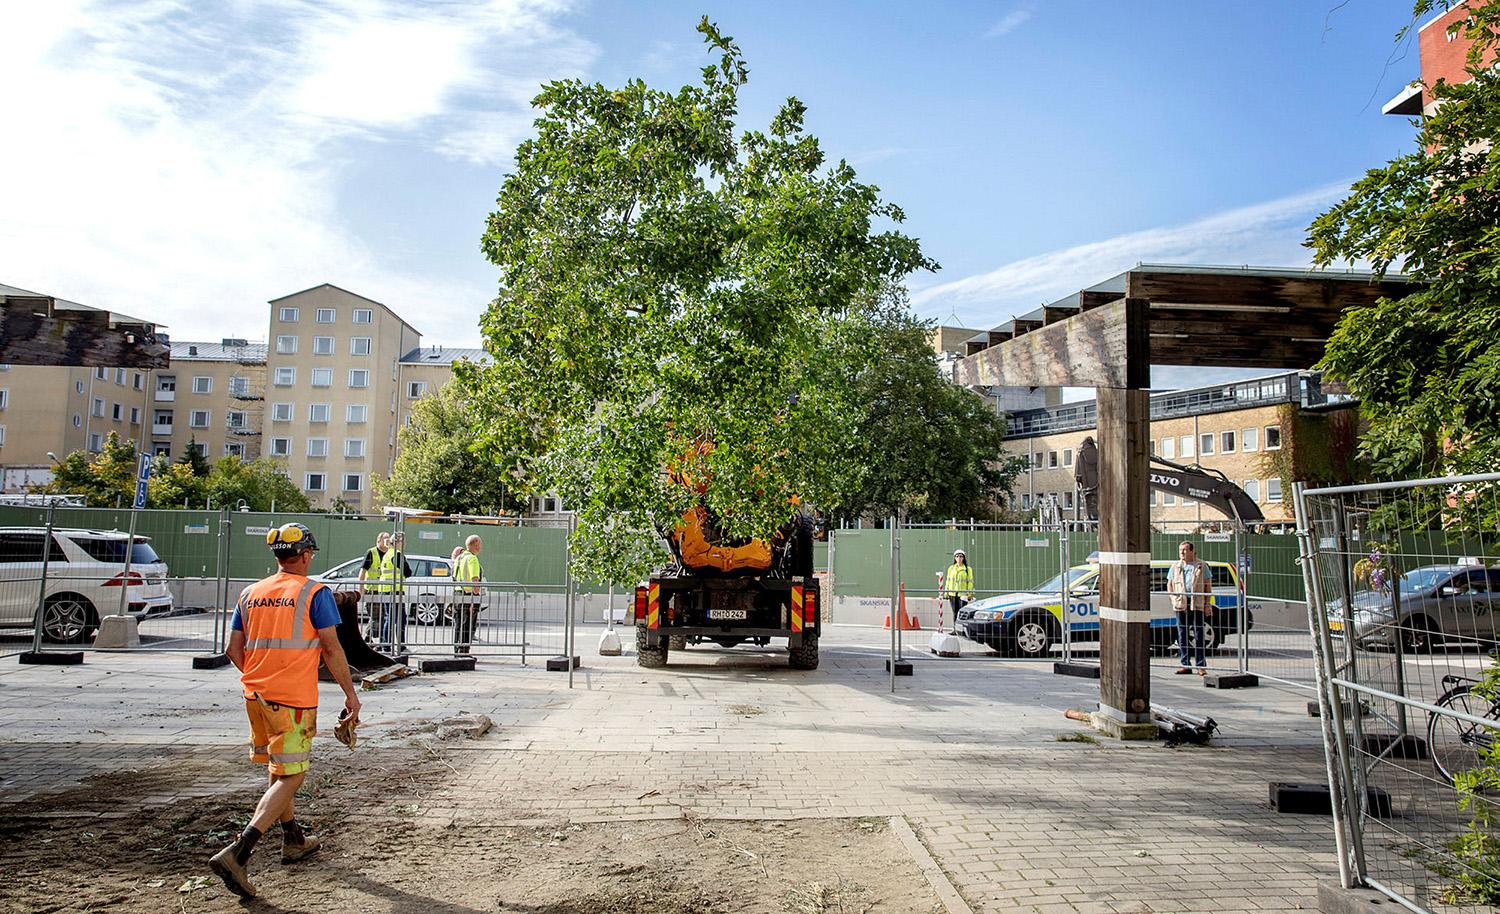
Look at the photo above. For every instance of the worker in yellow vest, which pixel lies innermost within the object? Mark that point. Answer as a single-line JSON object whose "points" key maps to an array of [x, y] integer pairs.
{"points": [[389, 603], [282, 627], [467, 600], [369, 571], [958, 583]]}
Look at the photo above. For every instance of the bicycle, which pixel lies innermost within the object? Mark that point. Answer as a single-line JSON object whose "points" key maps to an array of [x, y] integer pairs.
{"points": [[1458, 745]]}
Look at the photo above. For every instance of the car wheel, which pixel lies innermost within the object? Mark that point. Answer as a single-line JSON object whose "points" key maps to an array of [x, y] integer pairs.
{"points": [[1032, 635], [1418, 635], [427, 612], [69, 619]]}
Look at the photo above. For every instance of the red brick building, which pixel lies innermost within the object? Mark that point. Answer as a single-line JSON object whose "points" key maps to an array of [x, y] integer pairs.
{"points": [[1444, 52]]}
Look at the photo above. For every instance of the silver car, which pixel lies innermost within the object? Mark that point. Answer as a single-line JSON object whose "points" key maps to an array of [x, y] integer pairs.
{"points": [[1439, 604], [429, 590], [86, 580]]}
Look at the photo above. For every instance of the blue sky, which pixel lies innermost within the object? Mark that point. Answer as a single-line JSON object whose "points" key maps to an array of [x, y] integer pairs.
{"points": [[189, 161]]}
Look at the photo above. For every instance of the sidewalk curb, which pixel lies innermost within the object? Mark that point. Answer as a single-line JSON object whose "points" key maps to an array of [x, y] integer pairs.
{"points": [[952, 901]]}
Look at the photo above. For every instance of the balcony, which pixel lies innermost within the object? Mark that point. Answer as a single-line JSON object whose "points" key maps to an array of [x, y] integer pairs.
{"points": [[163, 429], [245, 394], [243, 430], [165, 396]]}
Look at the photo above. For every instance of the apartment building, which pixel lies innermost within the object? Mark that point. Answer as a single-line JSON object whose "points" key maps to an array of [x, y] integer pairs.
{"points": [[1228, 427], [333, 366], [1443, 52], [47, 412], [211, 398], [423, 372]]}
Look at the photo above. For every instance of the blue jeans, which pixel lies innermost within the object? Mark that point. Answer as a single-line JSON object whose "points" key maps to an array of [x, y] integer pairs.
{"points": [[1190, 619]]}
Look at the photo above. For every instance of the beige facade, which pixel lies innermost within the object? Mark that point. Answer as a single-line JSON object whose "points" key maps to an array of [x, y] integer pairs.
{"points": [[1230, 428], [48, 412], [212, 398]]}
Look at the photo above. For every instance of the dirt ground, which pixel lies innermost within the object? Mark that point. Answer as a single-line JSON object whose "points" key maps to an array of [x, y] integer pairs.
{"points": [[77, 850]]}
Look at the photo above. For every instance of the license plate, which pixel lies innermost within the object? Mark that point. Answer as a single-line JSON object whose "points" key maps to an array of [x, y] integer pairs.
{"points": [[727, 615]]}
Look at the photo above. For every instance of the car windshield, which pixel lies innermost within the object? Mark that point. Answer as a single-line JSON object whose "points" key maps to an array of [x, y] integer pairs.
{"points": [[1420, 579], [1054, 584]]}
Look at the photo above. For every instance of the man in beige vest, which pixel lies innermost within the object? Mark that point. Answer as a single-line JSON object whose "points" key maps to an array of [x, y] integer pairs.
{"points": [[1190, 584]]}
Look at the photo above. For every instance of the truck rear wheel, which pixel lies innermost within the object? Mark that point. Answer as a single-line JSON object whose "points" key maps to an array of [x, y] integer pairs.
{"points": [[806, 656], [649, 656]]}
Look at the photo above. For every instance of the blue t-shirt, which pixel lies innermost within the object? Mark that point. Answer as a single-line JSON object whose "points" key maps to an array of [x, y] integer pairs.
{"points": [[323, 612]]}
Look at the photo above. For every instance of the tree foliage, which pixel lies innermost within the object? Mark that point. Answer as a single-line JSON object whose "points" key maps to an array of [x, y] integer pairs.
{"points": [[1426, 367], [671, 302], [437, 469]]}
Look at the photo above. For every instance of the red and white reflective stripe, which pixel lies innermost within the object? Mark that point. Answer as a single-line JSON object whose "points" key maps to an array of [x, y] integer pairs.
{"points": [[796, 607], [653, 606]]}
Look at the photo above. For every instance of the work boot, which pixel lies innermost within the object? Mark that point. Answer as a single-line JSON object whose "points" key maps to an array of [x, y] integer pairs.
{"points": [[291, 852], [226, 865]]}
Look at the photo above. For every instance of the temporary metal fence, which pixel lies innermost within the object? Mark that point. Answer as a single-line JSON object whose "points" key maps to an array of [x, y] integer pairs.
{"points": [[1405, 592]]}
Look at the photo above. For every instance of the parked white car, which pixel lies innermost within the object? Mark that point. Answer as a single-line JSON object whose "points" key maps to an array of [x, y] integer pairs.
{"points": [[85, 571], [429, 590]]}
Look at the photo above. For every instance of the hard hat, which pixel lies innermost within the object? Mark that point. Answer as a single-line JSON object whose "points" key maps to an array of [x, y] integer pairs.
{"points": [[958, 552], [290, 539]]}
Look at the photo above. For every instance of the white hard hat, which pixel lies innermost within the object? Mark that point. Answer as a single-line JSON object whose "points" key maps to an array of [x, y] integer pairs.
{"points": [[960, 552]]}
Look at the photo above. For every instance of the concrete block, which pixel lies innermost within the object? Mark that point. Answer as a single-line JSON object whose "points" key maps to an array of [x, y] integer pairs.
{"points": [[903, 667], [1335, 899], [1231, 681], [117, 632], [609, 643], [51, 658], [464, 726], [210, 661], [448, 664], [1402, 747], [1364, 709], [944, 644], [1081, 670], [1317, 799], [1119, 729], [560, 664]]}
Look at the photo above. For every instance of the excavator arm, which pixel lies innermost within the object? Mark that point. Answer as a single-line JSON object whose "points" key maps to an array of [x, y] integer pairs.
{"points": [[1198, 483]]}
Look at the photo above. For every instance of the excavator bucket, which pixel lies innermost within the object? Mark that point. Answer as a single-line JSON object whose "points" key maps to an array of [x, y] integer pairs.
{"points": [[364, 661]]}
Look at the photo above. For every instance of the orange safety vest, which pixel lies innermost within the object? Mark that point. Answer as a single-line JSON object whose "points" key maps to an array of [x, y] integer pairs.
{"points": [[282, 649]]}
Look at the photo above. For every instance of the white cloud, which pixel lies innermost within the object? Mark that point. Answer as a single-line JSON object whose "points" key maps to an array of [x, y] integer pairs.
{"points": [[1266, 234], [1009, 23], [183, 161]]}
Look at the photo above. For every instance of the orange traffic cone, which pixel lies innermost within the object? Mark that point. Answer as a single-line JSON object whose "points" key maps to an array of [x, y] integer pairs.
{"points": [[908, 623]]}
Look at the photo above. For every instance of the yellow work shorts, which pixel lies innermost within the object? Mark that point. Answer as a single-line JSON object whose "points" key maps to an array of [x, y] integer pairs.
{"points": [[281, 737]]}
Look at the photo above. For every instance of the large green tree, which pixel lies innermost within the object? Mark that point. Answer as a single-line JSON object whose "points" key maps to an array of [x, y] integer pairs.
{"points": [[437, 468], [259, 483], [1426, 367], [105, 479], [671, 296]]}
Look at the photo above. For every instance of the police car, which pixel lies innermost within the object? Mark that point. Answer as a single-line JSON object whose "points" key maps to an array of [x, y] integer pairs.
{"points": [[1029, 624]]}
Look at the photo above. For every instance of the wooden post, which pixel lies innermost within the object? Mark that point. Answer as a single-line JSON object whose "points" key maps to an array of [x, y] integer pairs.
{"points": [[1125, 542]]}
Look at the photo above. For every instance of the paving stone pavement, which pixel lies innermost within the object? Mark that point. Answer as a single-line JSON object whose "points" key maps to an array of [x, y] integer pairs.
{"points": [[968, 751]]}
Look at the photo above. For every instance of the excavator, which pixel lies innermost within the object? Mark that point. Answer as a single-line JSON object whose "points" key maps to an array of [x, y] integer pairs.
{"points": [[1199, 483], [728, 590]]}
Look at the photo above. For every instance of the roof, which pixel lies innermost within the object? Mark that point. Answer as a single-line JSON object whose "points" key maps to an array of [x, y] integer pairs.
{"points": [[218, 352], [329, 285], [62, 304], [443, 355]]}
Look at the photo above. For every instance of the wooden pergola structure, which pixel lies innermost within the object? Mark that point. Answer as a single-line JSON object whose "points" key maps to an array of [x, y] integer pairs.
{"points": [[40, 329], [1108, 336]]}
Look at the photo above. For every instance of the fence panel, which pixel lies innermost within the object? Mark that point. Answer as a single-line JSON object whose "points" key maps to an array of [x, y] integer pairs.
{"points": [[1405, 595]]}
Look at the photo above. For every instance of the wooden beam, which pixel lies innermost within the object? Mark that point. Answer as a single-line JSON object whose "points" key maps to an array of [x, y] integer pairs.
{"points": [[1125, 563], [1086, 350], [999, 336], [1024, 326], [1053, 314], [1249, 290], [1088, 301], [32, 336]]}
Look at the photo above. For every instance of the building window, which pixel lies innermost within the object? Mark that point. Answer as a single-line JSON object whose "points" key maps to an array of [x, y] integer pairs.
{"points": [[239, 387], [288, 315], [1153, 447], [1226, 442], [1273, 439], [286, 377], [117, 411], [325, 316], [364, 316], [281, 412], [77, 420], [1252, 489], [318, 412], [78, 386], [135, 415], [1273, 489], [322, 345], [322, 377], [316, 482], [1250, 439], [1151, 498], [1067, 499], [1052, 460], [162, 449], [1206, 445], [97, 408], [281, 447], [1067, 456], [165, 384], [120, 376], [1025, 501], [163, 418], [198, 418], [317, 447], [286, 345], [357, 413], [1169, 447], [203, 385], [416, 390], [354, 482], [359, 345], [1185, 446], [354, 447], [359, 377], [101, 374], [4, 398], [96, 442], [235, 419], [234, 449], [1168, 498], [137, 381]]}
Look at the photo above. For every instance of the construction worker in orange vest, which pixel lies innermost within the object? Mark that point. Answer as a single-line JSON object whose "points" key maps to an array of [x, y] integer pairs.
{"points": [[282, 627]]}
